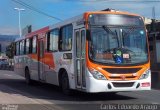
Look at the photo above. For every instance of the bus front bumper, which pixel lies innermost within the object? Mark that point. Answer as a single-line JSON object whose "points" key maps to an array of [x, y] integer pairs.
{"points": [[95, 86]]}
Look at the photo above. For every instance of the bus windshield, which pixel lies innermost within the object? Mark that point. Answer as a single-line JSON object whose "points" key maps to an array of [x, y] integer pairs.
{"points": [[118, 44]]}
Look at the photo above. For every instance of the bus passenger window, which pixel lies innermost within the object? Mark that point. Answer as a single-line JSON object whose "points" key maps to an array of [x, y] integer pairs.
{"points": [[66, 38], [30, 45], [53, 40], [34, 44], [17, 48], [27, 46], [22, 47]]}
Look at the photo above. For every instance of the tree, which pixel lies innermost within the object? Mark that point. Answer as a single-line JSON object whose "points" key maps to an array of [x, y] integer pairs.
{"points": [[10, 50]]}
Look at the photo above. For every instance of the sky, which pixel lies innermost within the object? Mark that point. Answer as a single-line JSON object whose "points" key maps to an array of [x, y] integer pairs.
{"points": [[64, 9]]}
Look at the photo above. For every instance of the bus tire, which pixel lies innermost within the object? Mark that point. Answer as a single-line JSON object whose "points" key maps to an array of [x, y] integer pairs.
{"points": [[27, 77], [65, 84]]}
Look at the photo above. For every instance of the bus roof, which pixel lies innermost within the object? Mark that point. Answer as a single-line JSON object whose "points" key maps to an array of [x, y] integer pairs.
{"points": [[42, 30], [110, 12], [74, 19]]}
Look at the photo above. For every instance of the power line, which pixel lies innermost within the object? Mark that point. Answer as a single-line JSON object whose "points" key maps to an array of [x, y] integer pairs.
{"points": [[35, 9]]}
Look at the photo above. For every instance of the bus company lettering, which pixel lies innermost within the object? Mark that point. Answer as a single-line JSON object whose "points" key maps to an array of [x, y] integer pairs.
{"points": [[64, 62]]}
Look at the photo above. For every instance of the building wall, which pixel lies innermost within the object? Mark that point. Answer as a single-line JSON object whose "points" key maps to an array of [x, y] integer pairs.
{"points": [[154, 42]]}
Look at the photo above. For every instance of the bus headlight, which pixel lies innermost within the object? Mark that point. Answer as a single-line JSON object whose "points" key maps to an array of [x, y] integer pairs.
{"points": [[96, 74], [146, 74]]}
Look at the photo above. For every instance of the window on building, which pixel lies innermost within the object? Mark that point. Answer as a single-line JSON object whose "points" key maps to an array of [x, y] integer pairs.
{"points": [[66, 38], [53, 40], [157, 51]]}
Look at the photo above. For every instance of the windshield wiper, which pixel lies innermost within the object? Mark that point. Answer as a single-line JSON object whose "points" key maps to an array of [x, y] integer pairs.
{"points": [[108, 30]]}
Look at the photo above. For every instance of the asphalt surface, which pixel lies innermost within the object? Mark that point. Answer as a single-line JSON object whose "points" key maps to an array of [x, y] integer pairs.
{"points": [[13, 90]]}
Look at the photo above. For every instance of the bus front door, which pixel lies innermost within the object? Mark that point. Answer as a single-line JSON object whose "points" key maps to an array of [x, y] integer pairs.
{"points": [[80, 69], [41, 60]]}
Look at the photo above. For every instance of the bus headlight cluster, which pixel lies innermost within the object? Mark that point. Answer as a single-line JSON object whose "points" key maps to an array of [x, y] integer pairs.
{"points": [[96, 74], [146, 74]]}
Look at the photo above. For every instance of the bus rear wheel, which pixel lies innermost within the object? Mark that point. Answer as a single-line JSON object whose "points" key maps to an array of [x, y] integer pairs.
{"points": [[65, 84], [27, 77]]}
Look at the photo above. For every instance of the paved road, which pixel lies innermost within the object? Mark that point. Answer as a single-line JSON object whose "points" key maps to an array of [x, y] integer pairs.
{"points": [[13, 90]]}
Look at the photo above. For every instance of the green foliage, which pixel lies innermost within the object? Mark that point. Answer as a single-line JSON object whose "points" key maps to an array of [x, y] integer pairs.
{"points": [[10, 50]]}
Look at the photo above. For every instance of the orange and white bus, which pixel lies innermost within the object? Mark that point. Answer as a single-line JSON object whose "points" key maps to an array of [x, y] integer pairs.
{"points": [[101, 51]]}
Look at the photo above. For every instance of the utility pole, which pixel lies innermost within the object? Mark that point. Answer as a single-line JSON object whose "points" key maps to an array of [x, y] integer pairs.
{"points": [[153, 13], [153, 19], [19, 13]]}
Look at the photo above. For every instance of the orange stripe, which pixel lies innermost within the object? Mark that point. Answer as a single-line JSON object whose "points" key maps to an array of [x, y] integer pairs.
{"points": [[47, 60]]}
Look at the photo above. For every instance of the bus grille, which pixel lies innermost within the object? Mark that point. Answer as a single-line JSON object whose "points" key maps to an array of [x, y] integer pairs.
{"points": [[128, 84], [122, 70], [120, 78]]}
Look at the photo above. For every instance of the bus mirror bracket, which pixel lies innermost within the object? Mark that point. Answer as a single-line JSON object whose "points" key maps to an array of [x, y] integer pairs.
{"points": [[88, 35]]}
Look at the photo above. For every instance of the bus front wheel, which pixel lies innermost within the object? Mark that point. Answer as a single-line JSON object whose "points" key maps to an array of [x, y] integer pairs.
{"points": [[65, 84]]}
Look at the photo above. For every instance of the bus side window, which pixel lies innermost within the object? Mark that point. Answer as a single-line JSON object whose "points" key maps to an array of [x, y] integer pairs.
{"points": [[52, 40], [48, 41], [66, 38], [22, 47], [14, 48], [17, 48], [30, 45], [34, 45], [27, 46]]}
